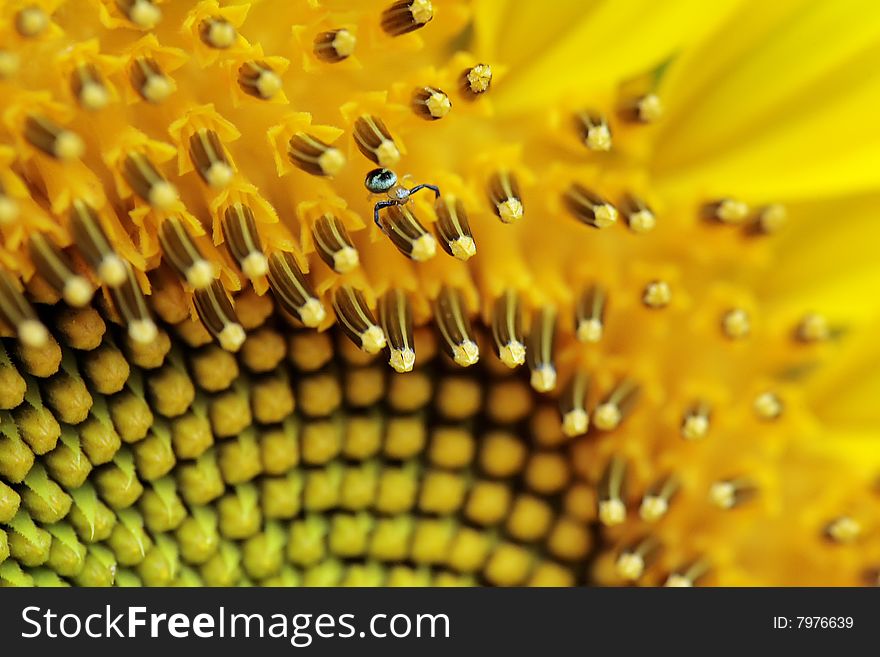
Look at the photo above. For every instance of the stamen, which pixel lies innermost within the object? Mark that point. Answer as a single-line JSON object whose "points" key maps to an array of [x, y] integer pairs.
{"points": [[217, 32], [507, 329], [612, 509], [55, 268], [590, 314], [31, 21], [844, 529], [217, 314], [594, 131], [632, 562], [616, 406], [638, 215], [770, 219], [258, 79], [183, 255], [146, 181], [407, 233], [505, 197], [131, 305], [695, 423], [334, 245], [18, 314], [643, 109], [573, 405], [375, 142], [656, 501], [395, 314], [52, 139], [89, 88], [657, 294], [731, 492], [94, 246], [589, 208], [475, 81], [334, 46], [687, 577], [455, 327], [243, 240], [143, 13], [452, 228], [407, 16], [150, 81], [292, 291], [431, 103], [768, 406], [356, 320], [8, 207], [727, 211], [813, 328], [314, 156], [209, 158], [735, 324], [540, 350]]}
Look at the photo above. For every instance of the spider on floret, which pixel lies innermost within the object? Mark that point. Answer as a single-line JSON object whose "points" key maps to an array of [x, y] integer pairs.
{"points": [[384, 181]]}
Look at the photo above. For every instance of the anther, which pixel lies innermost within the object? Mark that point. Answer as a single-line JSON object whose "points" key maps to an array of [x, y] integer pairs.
{"points": [[642, 109], [639, 217], [507, 329], [455, 327], [539, 352], [844, 529], [594, 131], [768, 406], [314, 156], [55, 268], [89, 88], [813, 328], [143, 13], [92, 243], [729, 493], [431, 103], [475, 81], [334, 245], [590, 314], [217, 33], [695, 423], [31, 21], [334, 46], [395, 316], [505, 197], [687, 576], [356, 320], [612, 509], [52, 139], [258, 79], [655, 502], [770, 219], [149, 80], [8, 207], [407, 16], [407, 233], [243, 240], [616, 406], [632, 562], [589, 208], [727, 211], [292, 291], [209, 158], [452, 228], [146, 181], [217, 314], [132, 307], [735, 324], [183, 255], [375, 142], [657, 294], [10, 62], [19, 315], [573, 405]]}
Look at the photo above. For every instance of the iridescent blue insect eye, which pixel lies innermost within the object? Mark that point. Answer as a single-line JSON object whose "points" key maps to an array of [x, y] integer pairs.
{"points": [[379, 181]]}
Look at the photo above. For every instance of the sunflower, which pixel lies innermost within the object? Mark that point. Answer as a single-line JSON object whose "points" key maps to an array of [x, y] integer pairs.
{"points": [[438, 293]]}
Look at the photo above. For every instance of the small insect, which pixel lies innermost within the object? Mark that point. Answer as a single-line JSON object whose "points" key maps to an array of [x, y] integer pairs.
{"points": [[384, 181]]}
